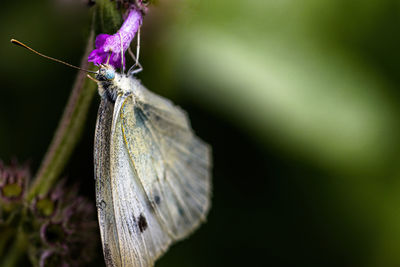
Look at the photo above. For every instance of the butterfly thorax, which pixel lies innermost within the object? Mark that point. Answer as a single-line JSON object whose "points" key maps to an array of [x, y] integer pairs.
{"points": [[112, 84]]}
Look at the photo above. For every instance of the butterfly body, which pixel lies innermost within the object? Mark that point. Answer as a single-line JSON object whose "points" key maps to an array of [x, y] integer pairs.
{"points": [[153, 181]]}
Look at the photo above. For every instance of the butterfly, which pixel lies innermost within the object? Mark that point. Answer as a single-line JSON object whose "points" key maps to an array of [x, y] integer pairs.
{"points": [[153, 180], [153, 174]]}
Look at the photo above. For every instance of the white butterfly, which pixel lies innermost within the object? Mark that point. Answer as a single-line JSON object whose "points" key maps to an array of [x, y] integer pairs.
{"points": [[153, 181]]}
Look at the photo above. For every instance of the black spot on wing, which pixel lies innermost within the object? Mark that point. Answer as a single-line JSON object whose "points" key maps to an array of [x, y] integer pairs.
{"points": [[157, 200], [180, 210], [142, 223]]}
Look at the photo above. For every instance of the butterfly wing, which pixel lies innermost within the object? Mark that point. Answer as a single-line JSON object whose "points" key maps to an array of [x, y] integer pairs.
{"points": [[160, 177], [104, 202], [141, 238], [171, 163]]}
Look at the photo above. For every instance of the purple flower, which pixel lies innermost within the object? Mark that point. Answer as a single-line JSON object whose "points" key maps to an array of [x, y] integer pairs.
{"points": [[51, 258], [108, 47], [67, 235], [13, 181], [46, 206], [54, 234]]}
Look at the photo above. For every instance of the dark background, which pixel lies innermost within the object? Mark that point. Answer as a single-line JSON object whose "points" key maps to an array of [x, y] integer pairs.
{"points": [[299, 100]]}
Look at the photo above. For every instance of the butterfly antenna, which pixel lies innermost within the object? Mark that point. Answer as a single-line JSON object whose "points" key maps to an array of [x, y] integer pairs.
{"points": [[16, 42]]}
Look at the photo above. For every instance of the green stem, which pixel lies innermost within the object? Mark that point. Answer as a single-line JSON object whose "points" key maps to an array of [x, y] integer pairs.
{"points": [[74, 117], [68, 132], [6, 235], [16, 251]]}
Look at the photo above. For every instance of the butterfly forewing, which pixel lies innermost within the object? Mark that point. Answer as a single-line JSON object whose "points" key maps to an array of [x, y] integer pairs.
{"points": [[104, 200]]}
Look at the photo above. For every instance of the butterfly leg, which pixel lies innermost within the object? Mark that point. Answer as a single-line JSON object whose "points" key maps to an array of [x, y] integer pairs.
{"points": [[108, 58], [132, 70], [122, 54]]}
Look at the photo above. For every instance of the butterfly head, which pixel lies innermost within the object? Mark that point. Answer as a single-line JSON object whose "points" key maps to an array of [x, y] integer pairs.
{"points": [[105, 73], [110, 83]]}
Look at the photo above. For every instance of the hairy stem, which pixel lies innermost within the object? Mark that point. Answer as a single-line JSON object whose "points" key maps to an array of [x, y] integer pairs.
{"points": [[68, 132]]}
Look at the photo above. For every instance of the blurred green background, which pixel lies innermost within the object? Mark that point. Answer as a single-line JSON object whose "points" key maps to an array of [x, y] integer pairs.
{"points": [[299, 100]]}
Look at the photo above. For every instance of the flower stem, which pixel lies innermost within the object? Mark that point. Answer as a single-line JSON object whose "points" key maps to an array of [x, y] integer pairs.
{"points": [[17, 249], [6, 234], [68, 132]]}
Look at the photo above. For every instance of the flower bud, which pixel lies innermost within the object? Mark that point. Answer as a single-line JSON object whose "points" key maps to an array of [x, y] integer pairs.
{"points": [[67, 228], [13, 181]]}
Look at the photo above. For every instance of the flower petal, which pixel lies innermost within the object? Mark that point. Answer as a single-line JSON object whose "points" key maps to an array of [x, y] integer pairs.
{"points": [[98, 57], [101, 39], [106, 44]]}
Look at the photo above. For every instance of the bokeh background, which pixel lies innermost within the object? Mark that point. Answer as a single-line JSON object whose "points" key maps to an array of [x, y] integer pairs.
{"points": [[299, 99]]}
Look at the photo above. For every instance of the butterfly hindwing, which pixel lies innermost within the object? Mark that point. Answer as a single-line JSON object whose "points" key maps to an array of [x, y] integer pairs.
{"points": [[172, 164]]}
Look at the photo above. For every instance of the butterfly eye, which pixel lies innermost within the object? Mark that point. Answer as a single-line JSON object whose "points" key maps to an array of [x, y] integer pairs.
{"points": [[109, 74]]}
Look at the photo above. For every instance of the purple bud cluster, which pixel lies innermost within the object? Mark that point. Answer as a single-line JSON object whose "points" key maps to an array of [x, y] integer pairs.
{"points": [[60, 225], [13, 181], [66, 226]]}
